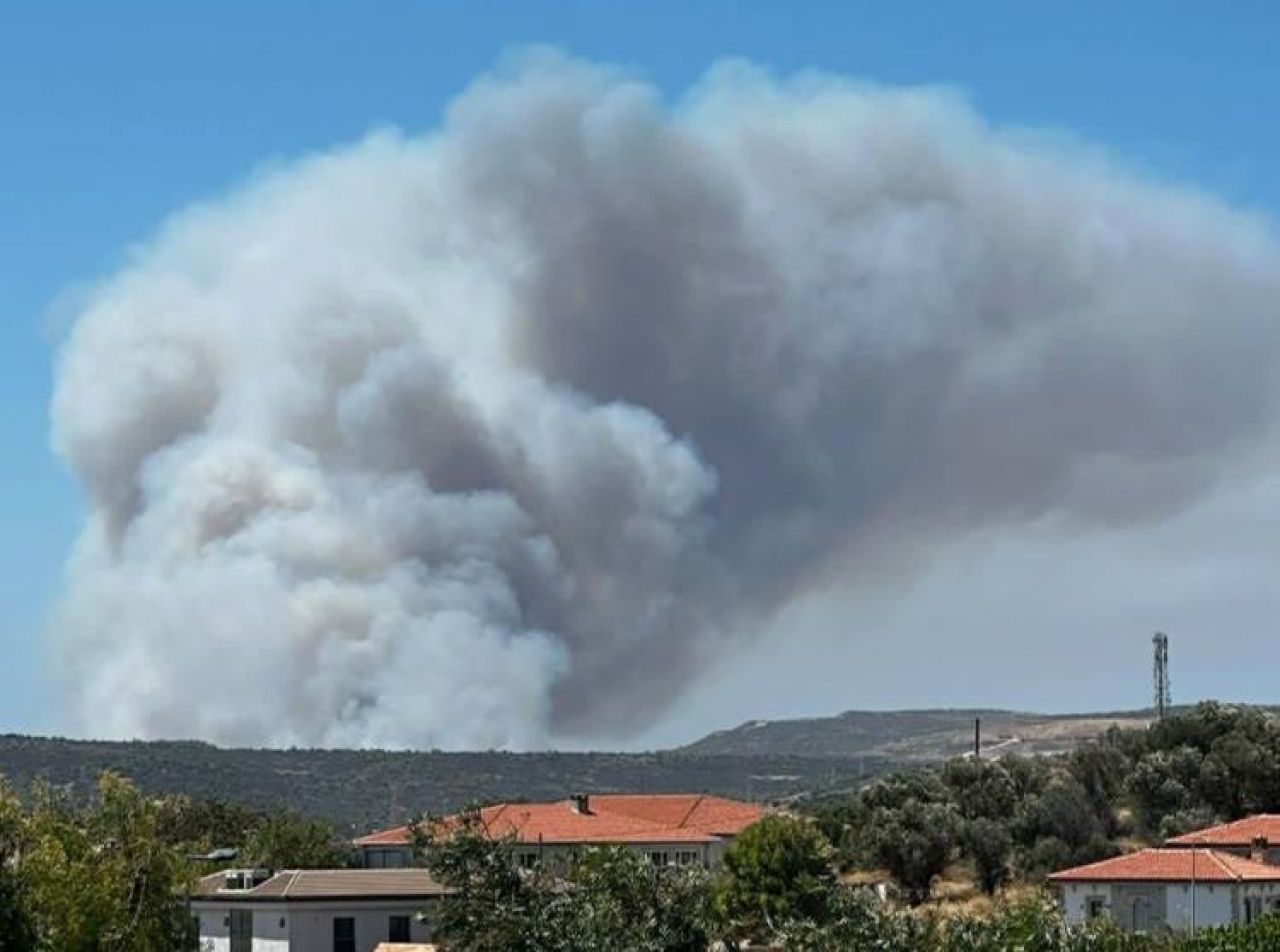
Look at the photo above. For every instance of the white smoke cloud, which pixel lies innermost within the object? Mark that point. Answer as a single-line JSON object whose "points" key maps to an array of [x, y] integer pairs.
{"points": [[496, 435]]}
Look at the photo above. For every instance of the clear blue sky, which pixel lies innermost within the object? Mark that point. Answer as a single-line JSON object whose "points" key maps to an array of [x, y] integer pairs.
{"points": [[113, 115]]}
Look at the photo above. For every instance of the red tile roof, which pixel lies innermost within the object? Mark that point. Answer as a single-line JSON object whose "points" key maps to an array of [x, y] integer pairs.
{"points": [[1240, 833], [1172, 865], [612, 819]]}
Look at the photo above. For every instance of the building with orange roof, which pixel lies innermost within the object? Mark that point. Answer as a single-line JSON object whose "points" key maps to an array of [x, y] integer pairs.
{"points": [[671, 829], [1257, 837], [1173, 888]]}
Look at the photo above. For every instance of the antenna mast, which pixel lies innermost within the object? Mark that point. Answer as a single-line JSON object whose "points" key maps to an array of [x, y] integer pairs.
{"points": [[1160, 675]]}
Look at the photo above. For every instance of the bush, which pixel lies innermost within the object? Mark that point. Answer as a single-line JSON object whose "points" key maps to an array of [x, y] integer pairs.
{"points": [[775, 872]]}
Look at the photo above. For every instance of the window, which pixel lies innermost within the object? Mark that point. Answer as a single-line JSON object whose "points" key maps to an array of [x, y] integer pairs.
{"points": [[242, 930], [660, 858], [344, 934], [1095, 906], [526, 860], [385, 859], [1142, 914], [398, 929], [686, 858], [1252, 908]]}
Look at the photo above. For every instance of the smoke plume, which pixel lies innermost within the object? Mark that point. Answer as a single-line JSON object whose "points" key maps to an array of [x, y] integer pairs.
{"points": [[503, 433]]}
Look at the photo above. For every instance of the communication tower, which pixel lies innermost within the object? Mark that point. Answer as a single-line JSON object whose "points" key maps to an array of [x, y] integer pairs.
{"points": [[1160, 674]]}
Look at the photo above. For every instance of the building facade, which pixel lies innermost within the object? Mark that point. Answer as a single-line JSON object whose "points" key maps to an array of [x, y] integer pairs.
{"points": [[314, 910], [1171, 889]]}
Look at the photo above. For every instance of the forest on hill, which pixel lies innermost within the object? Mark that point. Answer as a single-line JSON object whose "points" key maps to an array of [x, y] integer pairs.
{"points": [[361, 790]]}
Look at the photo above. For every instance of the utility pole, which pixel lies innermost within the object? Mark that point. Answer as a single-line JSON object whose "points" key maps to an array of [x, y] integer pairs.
{"points": [[1194, 849], [977, 738], [1160, 675]]}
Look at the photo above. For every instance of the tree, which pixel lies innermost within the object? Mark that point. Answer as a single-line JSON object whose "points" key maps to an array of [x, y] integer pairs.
{"points": [[1062, 810], [914, 844], [287, 841], [615, 898], [856, 921], [1101, 768], [988, 843], [593, 899], [103, 878], [198, 826], [17, 928], [776, 871], [980, 788], [495, 906]]}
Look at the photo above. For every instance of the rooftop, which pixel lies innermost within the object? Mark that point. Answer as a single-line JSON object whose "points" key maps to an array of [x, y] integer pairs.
{"points": [[1238, 833], [1172, 865], [608, 819], [307, 884]]}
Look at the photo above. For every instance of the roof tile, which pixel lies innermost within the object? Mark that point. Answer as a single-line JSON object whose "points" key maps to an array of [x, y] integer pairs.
{"points": [[1239, 833], [612, 819], [1172, 865]]}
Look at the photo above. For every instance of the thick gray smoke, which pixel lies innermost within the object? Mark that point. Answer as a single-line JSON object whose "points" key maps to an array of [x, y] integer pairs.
{"points": [[498, 435]]}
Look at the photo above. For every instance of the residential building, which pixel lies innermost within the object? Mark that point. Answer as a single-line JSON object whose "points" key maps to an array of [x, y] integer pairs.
{"points": [[1170, 889], [670, 829], [1257, 837], [314, 910]]}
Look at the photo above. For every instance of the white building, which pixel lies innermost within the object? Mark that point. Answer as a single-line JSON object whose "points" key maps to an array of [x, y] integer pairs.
{"points": [[1170, 889], [318, 910]]}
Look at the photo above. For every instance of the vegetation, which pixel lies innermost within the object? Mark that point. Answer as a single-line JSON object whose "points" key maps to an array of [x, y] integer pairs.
{"points": [[362, 790], [1031, 925], [95, 879], [614, 899], [597, 899], [914, 737], [777, 871], [110, 872], [1025, 817]]}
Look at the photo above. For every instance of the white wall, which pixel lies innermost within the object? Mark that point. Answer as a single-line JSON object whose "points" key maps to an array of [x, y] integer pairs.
{"points": [[308, 927], [269, 934], [311, 927], [214, 932], [1215, 905], [1075, 900]]}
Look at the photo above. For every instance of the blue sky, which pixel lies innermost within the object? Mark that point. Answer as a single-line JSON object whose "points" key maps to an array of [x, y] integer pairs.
{"points": [[115, 115]]}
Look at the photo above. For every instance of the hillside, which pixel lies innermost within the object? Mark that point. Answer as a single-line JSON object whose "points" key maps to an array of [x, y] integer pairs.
{"points": [[364, 790], [359, 790], [913, 736]]}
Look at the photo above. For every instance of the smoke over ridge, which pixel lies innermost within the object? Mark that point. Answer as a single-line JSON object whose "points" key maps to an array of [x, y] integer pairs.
{"points": [[500, 434]]}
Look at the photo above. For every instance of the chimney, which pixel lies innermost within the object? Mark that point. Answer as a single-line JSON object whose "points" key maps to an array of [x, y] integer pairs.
{"points": [[581, 803], [1258, 849]]}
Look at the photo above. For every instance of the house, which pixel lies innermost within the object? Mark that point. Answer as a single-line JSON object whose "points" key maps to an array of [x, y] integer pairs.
{"points": [[1170, 889], [671, 829], [1257, 837], [313, 910]]}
